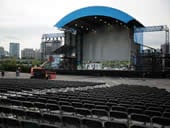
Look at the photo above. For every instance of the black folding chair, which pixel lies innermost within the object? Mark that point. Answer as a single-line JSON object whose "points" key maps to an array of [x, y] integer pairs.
{"points": [[115, 124], [52, 119], [29, 124], [140, 118], [91, 123], [70, 121], [11, 123], [83, 112], [120, 115], [162, 121]]}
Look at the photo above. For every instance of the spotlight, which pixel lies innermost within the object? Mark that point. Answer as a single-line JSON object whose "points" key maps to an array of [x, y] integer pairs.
{"points": [[100, 20]]}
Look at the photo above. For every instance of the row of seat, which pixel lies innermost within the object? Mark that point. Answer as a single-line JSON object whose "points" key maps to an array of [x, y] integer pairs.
{"points": [[87, 109], [67, 121], [30, 84], [84, 103]]}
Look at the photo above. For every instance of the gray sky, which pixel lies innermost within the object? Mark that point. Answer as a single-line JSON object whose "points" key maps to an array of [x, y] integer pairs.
{"points": [[25, 21]]}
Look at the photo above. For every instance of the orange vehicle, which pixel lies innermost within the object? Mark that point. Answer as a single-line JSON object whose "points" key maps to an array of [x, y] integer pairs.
{"points": [[42, 73]]}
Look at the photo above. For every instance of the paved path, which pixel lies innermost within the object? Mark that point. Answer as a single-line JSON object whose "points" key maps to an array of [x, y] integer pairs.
{"points": [[160, 83]]}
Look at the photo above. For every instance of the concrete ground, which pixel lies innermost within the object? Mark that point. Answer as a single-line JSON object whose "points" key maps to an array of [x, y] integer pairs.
{"points": [[160, 83]]}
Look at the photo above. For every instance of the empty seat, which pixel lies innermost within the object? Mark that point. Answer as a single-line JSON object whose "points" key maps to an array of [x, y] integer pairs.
{"points": [[119, 108], [27, 104], [135, 110], [139, 126], [152, 113], [64, 103], [52, 101], [115, 124], [120, 115], [77, 105], [89, 106], [39, 105], [52, 119], [5, 110], [143, 107], [166, 106], [11, 123], [18, 113], [71, 122], [166, 114], [83, 111], [1, 121], [100, 113], [125, 105], [110, 104], [102, 107], [151, 105], [29, 124], [140, 118], [162, 121], [32, 115], [160, 109], [44, 125], [16, 103], [53, 107], [67, 109], [91, 123]]}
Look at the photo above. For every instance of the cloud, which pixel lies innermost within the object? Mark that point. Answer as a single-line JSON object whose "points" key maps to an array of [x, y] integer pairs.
{"points": [[26, 20]]}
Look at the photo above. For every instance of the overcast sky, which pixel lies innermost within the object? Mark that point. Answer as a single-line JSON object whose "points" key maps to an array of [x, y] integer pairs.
{"points": [[25, 21]]}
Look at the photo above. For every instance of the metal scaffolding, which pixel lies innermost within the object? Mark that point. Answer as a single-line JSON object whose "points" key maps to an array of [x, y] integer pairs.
{"points": [[154, 29]]}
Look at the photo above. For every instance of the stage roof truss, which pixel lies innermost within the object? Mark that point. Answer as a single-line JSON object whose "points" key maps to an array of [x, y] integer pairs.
{"points": [[90, 23]]}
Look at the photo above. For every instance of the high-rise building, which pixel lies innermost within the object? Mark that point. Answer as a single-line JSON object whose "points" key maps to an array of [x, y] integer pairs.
{"points": [[28, 53], [14, 50], [37, 54], [50, 42], [2, 52]]}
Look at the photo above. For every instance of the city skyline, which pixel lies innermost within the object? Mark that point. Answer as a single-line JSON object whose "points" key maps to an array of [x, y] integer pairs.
{"points": [[26, 21]]}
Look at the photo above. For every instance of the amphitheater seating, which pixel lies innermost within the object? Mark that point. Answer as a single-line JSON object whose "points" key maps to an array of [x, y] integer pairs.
{"points": [[56, 104]]}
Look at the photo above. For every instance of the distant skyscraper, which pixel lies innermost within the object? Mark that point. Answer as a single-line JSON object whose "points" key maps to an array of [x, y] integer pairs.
{"points": [[2, 52], [14, 50], [28, 53]]}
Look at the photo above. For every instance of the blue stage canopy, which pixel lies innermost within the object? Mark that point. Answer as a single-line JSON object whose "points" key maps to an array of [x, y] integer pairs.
{"points": [[95, 11]]}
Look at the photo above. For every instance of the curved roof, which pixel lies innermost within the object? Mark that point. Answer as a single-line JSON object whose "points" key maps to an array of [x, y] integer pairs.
{"points": [[95, 11]]}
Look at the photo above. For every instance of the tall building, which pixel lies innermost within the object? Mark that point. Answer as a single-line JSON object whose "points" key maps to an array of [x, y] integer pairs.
{"points": [[37, 54], [14, 50], [50, 42], [2, 52], [28, 53]]}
